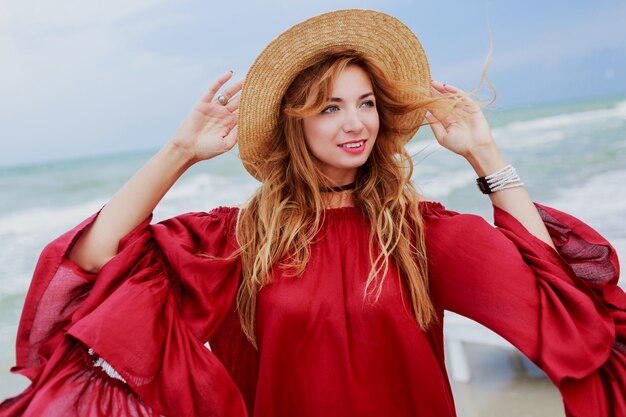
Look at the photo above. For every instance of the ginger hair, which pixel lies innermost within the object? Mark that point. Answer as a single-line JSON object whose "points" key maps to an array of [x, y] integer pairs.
{"points": [[277, 225]]}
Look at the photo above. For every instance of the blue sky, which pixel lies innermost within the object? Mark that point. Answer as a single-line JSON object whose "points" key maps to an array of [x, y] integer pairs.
{"points": [[87, 77]]}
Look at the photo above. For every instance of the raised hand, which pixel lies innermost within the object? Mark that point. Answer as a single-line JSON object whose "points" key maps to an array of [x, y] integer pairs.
{"points": [[462, 127], [210, 128]]}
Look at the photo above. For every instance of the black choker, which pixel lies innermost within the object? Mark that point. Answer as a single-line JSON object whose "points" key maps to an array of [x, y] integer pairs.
{"points": [[339, 188]]}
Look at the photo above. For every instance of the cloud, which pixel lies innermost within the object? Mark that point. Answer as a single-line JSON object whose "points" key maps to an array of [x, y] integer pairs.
{"points": [[76, 75], [597, 32], [52, 46], [547, 47], [609, 73], [34, 17], [96, 76]]}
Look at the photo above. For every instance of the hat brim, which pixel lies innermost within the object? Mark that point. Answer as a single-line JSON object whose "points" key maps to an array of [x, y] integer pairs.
{"points": [[372, 33]]}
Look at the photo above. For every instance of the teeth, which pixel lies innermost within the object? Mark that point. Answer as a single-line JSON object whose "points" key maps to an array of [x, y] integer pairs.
{"points": [[353, 145]]}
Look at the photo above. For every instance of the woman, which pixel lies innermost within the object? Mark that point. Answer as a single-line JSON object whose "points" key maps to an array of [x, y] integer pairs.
{"points": [[325, 294]]}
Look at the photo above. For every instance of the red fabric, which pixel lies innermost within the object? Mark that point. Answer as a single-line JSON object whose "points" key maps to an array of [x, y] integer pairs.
{"points": [[322, 350]]}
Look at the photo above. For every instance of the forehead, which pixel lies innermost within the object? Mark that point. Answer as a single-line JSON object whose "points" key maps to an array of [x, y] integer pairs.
{"points": [[351, 80]]}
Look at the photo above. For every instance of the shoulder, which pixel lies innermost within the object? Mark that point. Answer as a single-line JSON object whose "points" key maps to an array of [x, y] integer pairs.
{"points": [[461, 239], [218, 214], [443, 226], [431, 209], [216, 225]]}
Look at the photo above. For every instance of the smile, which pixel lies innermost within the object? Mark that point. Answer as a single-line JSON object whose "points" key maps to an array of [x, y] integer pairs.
{"points": [[353, 144], [353, 147]]}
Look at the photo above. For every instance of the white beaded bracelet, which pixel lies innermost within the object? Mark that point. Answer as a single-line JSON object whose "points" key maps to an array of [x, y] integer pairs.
{"points": [[500, 180]]}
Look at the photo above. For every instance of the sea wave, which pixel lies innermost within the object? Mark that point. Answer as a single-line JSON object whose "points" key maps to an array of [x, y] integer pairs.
{"points": [[443, 184], [548, 130], [617, 112], [196, 193], [43, 218], [598, 201], [23, 234], [509, 141]]}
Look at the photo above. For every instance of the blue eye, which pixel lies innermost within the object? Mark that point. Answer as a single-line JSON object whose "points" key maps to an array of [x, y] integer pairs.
{"points": [[368, 103]]}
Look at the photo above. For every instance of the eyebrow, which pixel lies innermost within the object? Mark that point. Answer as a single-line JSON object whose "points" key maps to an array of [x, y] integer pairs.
{"points": [[339, 100]]}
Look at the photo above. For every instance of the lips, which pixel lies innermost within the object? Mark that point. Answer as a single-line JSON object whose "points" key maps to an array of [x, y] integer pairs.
{"points": [[354, 147], [353, 144]]}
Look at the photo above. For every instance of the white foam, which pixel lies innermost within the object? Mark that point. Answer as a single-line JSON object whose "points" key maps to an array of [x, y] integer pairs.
{"points": [[422, 147], [15, 284], [570, 119], [37, 219], [199, 192], [600, 202], [442, 185], [203, 192], [195, 185], [24, 234], [621, 106], [545, 130], [518, 142]]}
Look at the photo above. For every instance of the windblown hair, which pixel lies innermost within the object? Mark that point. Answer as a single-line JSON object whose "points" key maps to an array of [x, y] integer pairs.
{"points": [[280, 221]]}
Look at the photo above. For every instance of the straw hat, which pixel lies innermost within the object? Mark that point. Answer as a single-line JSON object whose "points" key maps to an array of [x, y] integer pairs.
{"points": [[369, 32]]}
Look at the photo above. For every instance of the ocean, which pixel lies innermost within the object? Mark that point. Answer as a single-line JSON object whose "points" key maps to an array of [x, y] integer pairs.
{"points": [[570, 155]]}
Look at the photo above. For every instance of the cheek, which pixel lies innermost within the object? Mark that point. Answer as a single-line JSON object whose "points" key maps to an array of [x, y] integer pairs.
{"points": [[375, 122], [319, 132], [373, 125]]}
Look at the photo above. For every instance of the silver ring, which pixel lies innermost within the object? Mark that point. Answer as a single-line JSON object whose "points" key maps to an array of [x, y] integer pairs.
{"points": [[222, 99]]}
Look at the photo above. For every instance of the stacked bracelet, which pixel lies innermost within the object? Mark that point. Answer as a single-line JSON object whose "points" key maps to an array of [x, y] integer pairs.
{"points": [[500, 180]]}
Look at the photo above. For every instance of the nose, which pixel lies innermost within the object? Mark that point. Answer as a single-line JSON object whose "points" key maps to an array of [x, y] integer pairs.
{"points": [[353, 122]]}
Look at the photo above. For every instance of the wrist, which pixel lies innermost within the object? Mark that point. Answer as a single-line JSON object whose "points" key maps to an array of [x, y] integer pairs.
{"points": [[485, 159], [177, 155]]}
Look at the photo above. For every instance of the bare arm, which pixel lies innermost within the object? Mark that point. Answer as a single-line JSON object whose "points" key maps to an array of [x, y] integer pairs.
{"points": [[465, 131], [514, 201], [208, 130]]}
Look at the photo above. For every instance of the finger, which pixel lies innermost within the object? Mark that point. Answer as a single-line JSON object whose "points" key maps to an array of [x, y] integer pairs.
{"points": [[463, 98], [215, 86], [439, 112], [448, 97], [231, 138], [438, 86], [446, 88], [451, 91], [233, 103], [458, 103], [233, 89], [436, 127]]}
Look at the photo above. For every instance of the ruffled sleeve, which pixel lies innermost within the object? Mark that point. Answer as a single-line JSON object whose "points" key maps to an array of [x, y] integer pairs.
{"points": [[562, 309], [146, 314]]}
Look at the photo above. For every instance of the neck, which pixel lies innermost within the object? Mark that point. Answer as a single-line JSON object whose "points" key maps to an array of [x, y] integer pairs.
{"points": [[339, 188], [339, 199]]}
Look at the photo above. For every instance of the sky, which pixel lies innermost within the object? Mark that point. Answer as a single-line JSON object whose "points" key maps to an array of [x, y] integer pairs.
{"points": [[90, 77]]}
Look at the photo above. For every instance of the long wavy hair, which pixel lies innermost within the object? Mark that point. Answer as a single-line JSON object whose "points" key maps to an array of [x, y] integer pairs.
{"points": [[279, 222]]}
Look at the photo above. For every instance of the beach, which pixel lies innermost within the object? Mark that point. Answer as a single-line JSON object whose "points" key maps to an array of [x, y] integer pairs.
{"points": [[570, 155], [500, 388]]}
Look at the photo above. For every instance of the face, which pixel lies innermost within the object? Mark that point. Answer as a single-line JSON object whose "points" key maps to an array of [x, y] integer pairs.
{"points": [[342, 136]]}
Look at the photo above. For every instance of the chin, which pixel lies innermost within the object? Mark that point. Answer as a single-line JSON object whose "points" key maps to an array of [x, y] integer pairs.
{"points": [[354, 165]]}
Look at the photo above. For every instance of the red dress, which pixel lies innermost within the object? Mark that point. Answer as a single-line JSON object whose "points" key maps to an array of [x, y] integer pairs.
{"points": [[130, 341]]}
